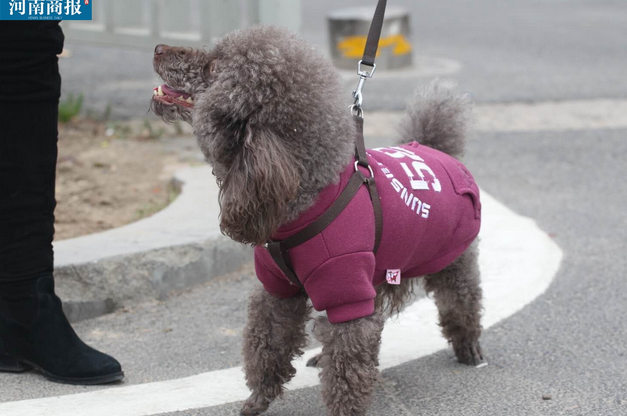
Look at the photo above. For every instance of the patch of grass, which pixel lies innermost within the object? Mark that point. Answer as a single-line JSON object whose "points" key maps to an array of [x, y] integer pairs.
{"points": [[178, 128], [152, 132], [151, 208], [91, 114], [107, 113], [119, 130], [70, 108]]}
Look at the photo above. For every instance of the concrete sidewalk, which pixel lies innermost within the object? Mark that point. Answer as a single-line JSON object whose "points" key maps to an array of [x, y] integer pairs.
{"points": [[175, 249]]}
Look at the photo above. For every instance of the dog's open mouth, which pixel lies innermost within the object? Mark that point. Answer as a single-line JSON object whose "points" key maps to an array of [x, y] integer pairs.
{"points": [[170, 96]]}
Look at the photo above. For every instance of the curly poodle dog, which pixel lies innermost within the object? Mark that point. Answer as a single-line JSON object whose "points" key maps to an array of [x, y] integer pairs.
{"points": [[271, 118]]}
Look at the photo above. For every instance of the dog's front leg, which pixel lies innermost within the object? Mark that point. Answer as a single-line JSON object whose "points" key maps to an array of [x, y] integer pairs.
{"points": [[349, 363], [273, 337]]}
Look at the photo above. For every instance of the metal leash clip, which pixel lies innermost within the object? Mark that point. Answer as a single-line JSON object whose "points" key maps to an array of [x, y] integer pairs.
{"points": [[357, 94]]}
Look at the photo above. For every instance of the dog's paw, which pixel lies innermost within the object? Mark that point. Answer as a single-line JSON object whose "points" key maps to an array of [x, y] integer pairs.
{"points": [[255, 405], [314, 361], [470, 354]]}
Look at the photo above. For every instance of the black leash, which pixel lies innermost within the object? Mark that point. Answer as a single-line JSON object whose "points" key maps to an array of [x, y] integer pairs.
{"points": [[279, 250], [370, 53], [374, 34]]}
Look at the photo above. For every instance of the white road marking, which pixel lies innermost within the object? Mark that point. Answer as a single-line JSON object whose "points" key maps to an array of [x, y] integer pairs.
{"points": [[524, 117], [518, 262], [560, 116]]}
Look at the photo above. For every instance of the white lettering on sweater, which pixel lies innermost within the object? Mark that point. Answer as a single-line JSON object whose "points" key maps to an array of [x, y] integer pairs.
{"points": [[417, 182]]}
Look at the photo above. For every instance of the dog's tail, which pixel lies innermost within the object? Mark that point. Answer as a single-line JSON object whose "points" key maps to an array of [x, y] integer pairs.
{"points": [[438, 118]]}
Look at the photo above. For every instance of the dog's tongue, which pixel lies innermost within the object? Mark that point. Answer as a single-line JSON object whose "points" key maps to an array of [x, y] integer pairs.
{"points": [[167, 90]]}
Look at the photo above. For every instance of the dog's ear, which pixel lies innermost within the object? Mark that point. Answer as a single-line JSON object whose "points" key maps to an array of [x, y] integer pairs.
{"points": [[263, 178]]}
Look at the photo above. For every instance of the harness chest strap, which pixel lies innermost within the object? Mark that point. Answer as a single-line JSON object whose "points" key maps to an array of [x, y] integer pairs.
{"points": [[279, 250]]}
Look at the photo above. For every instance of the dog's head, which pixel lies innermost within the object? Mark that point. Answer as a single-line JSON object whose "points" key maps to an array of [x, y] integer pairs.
{"points": [[266, 111], [186, 73]]}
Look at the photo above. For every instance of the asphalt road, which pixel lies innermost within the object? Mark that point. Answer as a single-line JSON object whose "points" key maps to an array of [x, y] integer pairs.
{"points": [[517, 50], [565, 353]]}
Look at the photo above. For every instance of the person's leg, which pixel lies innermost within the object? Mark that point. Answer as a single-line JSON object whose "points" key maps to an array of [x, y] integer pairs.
{"points": [[28, 150], [31, 86], [33, 329]]}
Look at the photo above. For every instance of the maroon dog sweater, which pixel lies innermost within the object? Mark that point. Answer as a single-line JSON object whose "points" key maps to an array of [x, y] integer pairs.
{"points": [[431, 214]]}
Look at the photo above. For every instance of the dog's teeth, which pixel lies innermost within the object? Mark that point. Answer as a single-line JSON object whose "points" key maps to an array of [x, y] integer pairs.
{"points": [[180, 97], [160, 91], [154, 92], [189, 100]]}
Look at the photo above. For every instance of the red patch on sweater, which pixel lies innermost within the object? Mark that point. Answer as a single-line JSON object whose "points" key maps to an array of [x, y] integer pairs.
{"points": [[393, 276]]}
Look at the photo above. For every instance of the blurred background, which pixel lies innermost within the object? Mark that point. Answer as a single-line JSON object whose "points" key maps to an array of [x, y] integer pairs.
{"points": [[519, 50]]}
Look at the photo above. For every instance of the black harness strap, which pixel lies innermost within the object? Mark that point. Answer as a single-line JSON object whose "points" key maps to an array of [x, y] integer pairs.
{"points": [[360, 150], [282, 259], [360, 146], [279, 250], [316, 227]]}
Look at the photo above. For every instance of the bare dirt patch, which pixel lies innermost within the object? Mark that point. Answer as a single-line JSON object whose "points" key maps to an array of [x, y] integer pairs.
{"points": [[109, 175]]}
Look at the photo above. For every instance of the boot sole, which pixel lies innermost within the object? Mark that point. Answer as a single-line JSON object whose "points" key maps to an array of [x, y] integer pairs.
{"points": [[93, 381], [11, 365]]}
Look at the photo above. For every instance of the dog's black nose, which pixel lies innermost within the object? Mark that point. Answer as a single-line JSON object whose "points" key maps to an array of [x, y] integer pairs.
{"points": [[160, 49]]}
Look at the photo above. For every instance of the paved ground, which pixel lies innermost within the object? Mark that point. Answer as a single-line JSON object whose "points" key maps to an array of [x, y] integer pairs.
{"points": [[569, 345], [519, 50]]}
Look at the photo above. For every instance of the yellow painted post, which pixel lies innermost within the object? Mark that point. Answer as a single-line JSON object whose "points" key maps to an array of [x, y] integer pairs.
{"points": [[348, 29]]}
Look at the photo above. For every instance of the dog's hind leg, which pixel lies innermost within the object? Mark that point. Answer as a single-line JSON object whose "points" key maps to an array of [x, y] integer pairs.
{"points": [[273, 337], [349, 363], [457, 293]]}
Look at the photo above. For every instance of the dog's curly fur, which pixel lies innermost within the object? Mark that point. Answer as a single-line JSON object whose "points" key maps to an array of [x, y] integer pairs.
{"points": [[270, 118], [349, 360], [438, 118], [458, 296], [275, 335]]}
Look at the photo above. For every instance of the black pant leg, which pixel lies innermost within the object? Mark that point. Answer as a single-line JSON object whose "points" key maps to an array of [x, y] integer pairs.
{"points": [[30, 87]]}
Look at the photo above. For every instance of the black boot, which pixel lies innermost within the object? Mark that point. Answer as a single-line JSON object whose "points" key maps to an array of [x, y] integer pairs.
{"points": [[50, 345]]}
